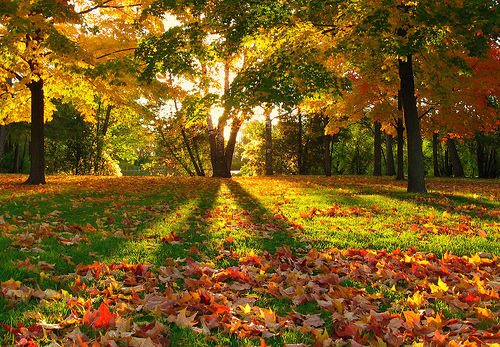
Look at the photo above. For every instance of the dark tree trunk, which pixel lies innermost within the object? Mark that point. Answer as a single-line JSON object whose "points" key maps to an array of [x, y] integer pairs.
{"points": [[480, 159], [172, 152], [435, 161], [212, 140], [16, 169], [377, 150], [190, 152], [458, 169], [328, 156], [300, 148], [37, 149], [231, 144], [220, 168], [269, 142], [3, 137], [101, 135], [200, 163], [389, 168], [400, 150], [416, 169]]}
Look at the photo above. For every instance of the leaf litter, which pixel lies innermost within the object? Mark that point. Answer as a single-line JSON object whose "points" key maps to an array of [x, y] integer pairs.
{"points": [[363, 297]]}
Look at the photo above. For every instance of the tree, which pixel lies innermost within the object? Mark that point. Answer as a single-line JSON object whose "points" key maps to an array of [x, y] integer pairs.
{"points": [[377, 149], [389, 168], [48, 50], [399, 31], [211, 35]]}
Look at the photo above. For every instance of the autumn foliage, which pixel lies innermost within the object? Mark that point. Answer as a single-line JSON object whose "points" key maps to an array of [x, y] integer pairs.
{"points": [[204, 276]]}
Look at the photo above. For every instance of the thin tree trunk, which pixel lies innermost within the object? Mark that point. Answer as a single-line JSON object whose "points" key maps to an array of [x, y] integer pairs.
{"points": [[458, 169], [300, 148], [416, 169], [101, 135], [231, 144], [328, 156], [389, 168], [37, 147], [400, 150], [176, 158], [269, 141], [435, 161], [198, 159], [212, 140], [377, 150], [492, 164], [480, 159], [3, 137], [447, 165], [190, 152], [15, 169]]}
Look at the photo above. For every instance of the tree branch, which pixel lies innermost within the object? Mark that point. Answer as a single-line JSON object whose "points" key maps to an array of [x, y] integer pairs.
{"points": [[18, 76], [107, 6], [426, 112], [118, 51]]}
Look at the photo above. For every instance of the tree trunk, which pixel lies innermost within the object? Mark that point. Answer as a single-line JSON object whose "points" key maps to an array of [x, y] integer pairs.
{"points": [[198, 158], [220, 169], [231, 144], [101, 135], [389, 168], [174, 155], [400, 154], [377, 150], [458, 169], [190, 152], [16, 169], [3, 137], [328, 156], [37, 149], [416, 169], [269, 142], [480, 159], [300, 148], [435, 161], [212, 140]]}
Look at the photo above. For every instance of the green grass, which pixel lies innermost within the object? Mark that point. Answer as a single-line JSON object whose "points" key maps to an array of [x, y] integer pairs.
{"points": [[219, 222]]}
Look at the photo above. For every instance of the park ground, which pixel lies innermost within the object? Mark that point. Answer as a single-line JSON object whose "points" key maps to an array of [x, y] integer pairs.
{"points": [[278, 261]]}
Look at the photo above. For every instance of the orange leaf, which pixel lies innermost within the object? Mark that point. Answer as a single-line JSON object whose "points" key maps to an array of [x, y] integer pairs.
{"points": [[412, 318]]}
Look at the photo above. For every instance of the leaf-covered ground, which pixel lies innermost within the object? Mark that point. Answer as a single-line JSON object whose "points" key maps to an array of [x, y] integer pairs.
{"points": [[297, 261]]}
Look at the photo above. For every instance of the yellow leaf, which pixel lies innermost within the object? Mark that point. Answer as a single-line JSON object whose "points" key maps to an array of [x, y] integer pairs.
{"points": [[416, 300], [484, 313]]}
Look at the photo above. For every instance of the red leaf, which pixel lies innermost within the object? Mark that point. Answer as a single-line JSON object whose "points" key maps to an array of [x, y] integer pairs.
{"points": [[101, 318]]}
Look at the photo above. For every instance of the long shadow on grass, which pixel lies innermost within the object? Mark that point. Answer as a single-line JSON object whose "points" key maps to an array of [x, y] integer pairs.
{"points": [[378, 216], [444, 193], [192, 234], [267, 229]]}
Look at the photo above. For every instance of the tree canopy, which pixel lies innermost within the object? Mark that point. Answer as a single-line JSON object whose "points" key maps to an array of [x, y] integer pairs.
{"points": [[435, 65]]}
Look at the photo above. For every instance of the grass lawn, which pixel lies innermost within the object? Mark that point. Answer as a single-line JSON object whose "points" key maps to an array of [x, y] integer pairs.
{"points": [[281, 261]]}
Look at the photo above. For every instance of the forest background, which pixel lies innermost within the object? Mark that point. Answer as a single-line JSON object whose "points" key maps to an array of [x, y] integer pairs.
{"points": [[165, 86]]}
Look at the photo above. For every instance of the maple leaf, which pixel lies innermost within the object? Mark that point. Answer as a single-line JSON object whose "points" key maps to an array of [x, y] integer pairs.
{"points": [[440, 340], [416, 300], [412, 319], [439, 289], [182, 320], [100, 318]]}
